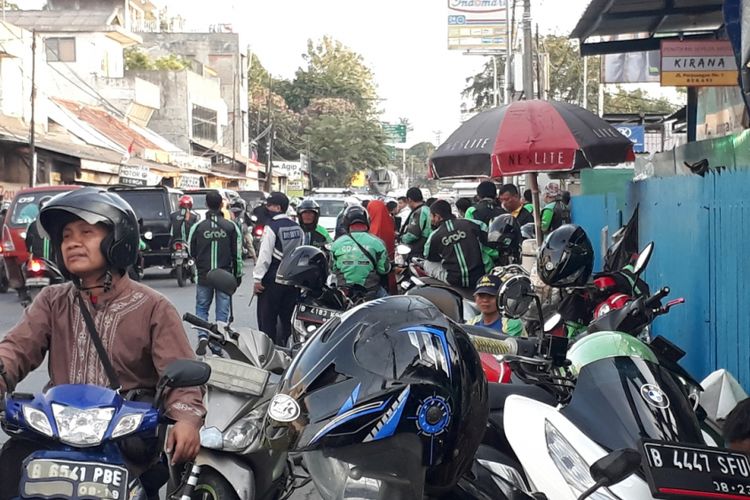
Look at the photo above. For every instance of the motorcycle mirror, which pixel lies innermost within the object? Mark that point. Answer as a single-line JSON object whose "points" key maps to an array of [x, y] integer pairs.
{"points": [[613, 468], [403, 250], [185, 373], [643, 258], [552, 323], [516, 296], [222, 280]]}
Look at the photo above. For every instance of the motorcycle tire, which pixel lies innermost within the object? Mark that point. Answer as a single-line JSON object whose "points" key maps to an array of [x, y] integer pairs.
{"points": [[212, 486], [180, 275]]}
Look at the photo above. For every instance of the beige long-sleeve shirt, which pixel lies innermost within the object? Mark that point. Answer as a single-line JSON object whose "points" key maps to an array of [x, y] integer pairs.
{"points": [[140, 329]]}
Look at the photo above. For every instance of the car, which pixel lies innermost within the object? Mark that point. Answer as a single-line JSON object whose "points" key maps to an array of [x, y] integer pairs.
{"points": [[253, 198], [199, 200], [22, 211], [330, 208], [153, 206]]}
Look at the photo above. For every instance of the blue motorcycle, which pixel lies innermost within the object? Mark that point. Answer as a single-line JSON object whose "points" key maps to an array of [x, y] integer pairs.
{"points": [[96, 442]]}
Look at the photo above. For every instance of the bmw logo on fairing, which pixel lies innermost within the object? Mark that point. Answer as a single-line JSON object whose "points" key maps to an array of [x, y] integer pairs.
{"points": [[283, 408], [655, 396]]}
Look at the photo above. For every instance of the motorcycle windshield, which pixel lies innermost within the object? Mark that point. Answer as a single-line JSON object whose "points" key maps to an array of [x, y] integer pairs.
{"points": [[620, 400], [602, 345]]}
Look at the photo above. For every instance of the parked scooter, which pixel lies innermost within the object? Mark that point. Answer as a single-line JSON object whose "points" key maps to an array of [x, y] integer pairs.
{"points": [[83, 430], [247, 367], [39, 273], [182, 263]]}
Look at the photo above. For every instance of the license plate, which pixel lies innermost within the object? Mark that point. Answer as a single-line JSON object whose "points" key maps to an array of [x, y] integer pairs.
{"points": [[37, 282], [180, 254], [677, 471], [45, 478], [315, 315]]}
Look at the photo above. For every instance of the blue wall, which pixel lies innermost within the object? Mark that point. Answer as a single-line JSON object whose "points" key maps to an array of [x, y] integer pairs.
{"points": [[701, 230]]}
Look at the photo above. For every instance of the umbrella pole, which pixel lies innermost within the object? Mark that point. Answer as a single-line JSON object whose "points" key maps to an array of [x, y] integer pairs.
{"points": [[533, 182]]}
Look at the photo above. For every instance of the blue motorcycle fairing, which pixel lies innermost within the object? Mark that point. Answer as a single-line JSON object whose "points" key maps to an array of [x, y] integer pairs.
{"points": [[83, 397]]}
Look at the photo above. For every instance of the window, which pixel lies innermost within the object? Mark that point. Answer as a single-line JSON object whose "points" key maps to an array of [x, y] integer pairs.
{"points": [[61, 49], [204, 123]]}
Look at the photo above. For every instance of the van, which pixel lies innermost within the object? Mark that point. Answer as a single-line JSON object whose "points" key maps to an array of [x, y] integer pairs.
{"points": [[22, 211]]}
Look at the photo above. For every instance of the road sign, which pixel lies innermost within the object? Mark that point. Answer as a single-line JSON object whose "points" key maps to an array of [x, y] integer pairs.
{"points": [[636, 134], [395, 132]]}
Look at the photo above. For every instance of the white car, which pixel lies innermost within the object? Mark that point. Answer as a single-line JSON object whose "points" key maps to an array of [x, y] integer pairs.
{"points": [[330, 208]]}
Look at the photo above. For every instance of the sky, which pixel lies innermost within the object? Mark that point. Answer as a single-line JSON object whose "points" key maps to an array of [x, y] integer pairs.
{"points": [[404, 42]]}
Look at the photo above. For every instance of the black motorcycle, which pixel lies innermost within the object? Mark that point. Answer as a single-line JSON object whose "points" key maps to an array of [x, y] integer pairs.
{"points": [[182, 263]]}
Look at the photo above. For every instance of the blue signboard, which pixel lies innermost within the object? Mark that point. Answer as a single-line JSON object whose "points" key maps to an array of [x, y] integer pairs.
{"points": [[637, 135]]}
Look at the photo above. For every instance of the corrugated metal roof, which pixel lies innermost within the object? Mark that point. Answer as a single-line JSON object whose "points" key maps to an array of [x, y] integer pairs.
{"points": [[65, 20]]}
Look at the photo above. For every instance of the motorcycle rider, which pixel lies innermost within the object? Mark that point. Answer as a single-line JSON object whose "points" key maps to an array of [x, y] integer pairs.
{"points": [[555, 213], [281, 235], [94, 235], [487, 207], [238, 209], [183, 219], [308, 214], [512, 203], [416, 229], [455, 251], [214, 243], [485, 296], [360, 258]]}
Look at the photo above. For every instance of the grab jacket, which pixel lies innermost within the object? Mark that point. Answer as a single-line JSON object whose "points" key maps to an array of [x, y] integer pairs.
{"points": [[216, 243]]}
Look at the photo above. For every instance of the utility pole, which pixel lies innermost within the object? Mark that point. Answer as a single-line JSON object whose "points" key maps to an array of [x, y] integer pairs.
{"points": [[234, 119], [269, 138], [585, 100], [508, 54], [32, 139], [528, 90]]}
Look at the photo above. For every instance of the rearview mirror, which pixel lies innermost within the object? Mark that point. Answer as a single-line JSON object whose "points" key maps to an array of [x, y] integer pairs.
{"points": [[222, 280], [643, 258], [403, 250], [516, 296], [612, 469]]}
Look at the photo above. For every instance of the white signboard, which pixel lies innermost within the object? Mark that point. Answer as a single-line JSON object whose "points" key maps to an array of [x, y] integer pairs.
{"points": [[134, 175], [189, 181], [478, 25], [293, 169]]}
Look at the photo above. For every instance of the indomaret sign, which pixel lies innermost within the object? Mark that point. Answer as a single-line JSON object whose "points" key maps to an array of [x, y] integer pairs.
{"points": [[698, 63]]}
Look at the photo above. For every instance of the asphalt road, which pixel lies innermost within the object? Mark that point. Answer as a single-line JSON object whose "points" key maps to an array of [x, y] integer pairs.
{"points": [[184, 301]]}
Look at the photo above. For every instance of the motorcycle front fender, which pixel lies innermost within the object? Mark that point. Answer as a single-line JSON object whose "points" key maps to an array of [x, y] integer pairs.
{"points": [[240, 475]]}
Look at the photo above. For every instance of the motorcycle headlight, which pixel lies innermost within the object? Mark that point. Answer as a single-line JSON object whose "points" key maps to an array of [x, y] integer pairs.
{"points": [[82, 427], [571, 465], [37, 420], [245, 431], [126, 425]]}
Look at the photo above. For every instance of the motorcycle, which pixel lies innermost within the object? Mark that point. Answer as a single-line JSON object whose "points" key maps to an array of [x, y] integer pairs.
{"points": [[182, 263], [246, 368], [92, 436], [39, 273], [257, 232]]}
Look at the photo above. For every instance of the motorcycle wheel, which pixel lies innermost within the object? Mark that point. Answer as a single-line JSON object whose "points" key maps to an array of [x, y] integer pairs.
{"points": [[212, 486], [180, 274]]}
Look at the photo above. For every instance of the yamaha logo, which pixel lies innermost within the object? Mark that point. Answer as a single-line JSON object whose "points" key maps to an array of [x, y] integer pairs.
{"points": [[283, 408], [655, 396]]}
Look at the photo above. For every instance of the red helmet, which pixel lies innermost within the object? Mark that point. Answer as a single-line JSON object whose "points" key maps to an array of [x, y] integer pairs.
{"points": [[186, 201]]}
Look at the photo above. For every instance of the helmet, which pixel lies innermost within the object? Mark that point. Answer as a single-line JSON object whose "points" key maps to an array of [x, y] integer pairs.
{"points": [[306, 268], [186, 201], [566, 257], [363, 391], [355, 214], [308, 205], [237, 205], [528, 231], [95, 206], [504, 233]]}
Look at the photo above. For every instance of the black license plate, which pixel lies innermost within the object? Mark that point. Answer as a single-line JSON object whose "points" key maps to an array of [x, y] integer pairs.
{"points": [[315, 315], [691, 471], [44, 478]]}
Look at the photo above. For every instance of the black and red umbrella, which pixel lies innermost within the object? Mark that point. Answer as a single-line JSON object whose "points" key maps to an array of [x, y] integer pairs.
{"points": [[527, 137]]}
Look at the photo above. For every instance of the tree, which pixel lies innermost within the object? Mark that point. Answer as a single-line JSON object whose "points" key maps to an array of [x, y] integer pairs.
{"points": [[480, 87], [136, 59], [636, 101]]}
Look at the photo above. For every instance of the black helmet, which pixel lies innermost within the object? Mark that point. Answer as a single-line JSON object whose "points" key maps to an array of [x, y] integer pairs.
{"points": [[308, 205], [355, 214], [306, 268], [566, 257], [504, 234], [237, 205], [95, 206], [390, 386]]}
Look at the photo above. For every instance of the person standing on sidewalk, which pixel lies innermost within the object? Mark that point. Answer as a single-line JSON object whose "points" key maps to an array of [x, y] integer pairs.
{"points": [[215, 243], [276, 302]]}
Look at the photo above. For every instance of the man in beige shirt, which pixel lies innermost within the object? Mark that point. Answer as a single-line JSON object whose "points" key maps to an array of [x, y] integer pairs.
{"points": [[95, 236]]}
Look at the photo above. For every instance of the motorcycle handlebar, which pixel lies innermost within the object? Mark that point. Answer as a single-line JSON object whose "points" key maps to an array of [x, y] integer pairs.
{"points": [[515, 346], [654, 301], [200, 323]]}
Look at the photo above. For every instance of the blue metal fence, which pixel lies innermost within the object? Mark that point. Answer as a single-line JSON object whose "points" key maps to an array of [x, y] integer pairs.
{"points": [[700, 229]]}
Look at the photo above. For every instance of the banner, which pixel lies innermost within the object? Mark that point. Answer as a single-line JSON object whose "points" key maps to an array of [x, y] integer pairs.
{"points": [[698, 63], [636, 134], [631, 67], [480, 25]]}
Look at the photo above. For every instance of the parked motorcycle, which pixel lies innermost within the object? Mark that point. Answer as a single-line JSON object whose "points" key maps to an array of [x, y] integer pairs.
{"points": [[182, 263], [92, 437], [245, 370], [37, 274]]}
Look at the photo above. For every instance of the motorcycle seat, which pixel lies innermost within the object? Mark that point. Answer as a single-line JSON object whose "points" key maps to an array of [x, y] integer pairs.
{"points": [[444, 299], [466, 293], [498, 394]]}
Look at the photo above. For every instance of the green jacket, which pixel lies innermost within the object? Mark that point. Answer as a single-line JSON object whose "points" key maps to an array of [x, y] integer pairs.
{"points": [[352, 266], [417, 229]]}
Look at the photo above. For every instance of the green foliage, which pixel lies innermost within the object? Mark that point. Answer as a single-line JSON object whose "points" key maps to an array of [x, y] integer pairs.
{"points": [[636, 101], [480, 87], [327, 110], [136, 59]]}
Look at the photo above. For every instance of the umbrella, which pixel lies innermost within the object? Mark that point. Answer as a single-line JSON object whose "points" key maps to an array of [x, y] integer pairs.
{"points": [[527, 137], [530, 136]]}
